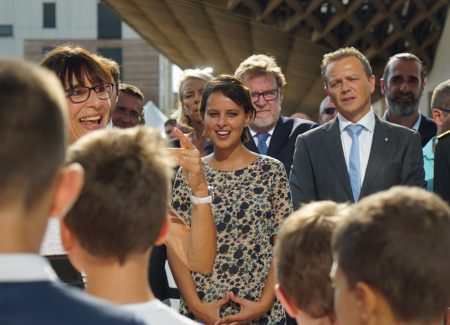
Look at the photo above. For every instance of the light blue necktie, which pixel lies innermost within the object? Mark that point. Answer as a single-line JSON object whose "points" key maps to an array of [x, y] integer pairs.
{"points": [[354, 167], [262, 145]]}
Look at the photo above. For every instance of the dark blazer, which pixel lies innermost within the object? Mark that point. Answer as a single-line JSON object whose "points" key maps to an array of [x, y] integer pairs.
{"points": [[282, 141], [442, 166], [52, 303], [319, 171], [427, 129]]}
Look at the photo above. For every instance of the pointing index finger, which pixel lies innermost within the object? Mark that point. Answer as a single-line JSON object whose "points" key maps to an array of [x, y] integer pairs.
{"points": [[184, 140]]}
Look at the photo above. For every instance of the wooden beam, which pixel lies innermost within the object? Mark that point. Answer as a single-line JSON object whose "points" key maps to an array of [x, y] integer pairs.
{"points": [[377, 19], [232, 4], [336, 20], [301, 15], [271, 6]]}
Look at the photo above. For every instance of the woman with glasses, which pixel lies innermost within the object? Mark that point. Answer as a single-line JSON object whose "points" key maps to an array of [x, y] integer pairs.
{"points": [[190, 90], [88, 85], [250, 198]]}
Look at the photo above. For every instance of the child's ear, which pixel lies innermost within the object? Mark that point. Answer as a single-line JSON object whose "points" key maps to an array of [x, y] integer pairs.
{"points": [[67, 187], [72, 246], [163, 233], [290, 307], [367, 300], [67, 236]]}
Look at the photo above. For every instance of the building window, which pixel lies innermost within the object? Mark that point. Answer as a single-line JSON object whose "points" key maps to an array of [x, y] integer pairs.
{"points": [[49, 11], [6, 30], [113, 53], [109, 26]]}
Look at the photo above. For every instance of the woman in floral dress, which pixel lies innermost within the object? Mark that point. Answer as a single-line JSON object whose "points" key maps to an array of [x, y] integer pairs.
{"points": [[250, 200]]}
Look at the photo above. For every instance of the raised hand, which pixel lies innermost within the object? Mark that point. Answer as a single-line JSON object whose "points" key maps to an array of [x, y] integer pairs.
{"points": [[188, 157]]}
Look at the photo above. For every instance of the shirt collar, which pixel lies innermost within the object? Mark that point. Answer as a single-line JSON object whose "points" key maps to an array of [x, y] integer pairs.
{"points": [[367, 121], [416, 124], [254, 133], [25, 268]]}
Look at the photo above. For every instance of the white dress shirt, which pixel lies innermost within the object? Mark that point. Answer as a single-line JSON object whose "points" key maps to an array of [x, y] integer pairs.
{"points": [[365, 139], [25, 267], [155, 312]]}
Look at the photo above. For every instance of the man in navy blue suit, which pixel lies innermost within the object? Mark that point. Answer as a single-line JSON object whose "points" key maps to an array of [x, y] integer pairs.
{"points": [[34, 185], [272, 134]]}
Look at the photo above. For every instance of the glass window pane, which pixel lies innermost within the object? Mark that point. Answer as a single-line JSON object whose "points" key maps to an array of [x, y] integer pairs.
{"points": [[49, 14]]}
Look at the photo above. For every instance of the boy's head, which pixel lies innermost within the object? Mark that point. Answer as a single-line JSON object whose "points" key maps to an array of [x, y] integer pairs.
{"points": [[123, 205], [392, 259], [303, 261], [34, 137]]}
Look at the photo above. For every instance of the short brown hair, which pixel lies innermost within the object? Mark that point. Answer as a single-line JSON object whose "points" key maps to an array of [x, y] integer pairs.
{"points": [[73, 62], [441, 95], [405, 57], [123, 203], [342, 54], [32, 129], [113, 68], [303, 257], [131, 90], [398, 242], [260, 64]]}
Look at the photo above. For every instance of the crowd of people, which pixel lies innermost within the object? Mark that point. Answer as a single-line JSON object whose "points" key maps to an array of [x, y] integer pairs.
{"points": [[264, 219]]}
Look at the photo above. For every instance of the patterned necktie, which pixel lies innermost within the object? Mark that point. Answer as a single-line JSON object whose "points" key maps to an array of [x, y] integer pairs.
{"points": [[262, 144], [354, 167]]}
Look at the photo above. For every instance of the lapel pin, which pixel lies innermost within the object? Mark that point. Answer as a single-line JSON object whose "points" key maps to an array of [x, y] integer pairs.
{"points": [[386, 139]]}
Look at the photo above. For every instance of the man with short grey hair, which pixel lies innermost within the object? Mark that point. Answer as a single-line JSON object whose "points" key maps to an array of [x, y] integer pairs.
{"points": [[272, 134]]}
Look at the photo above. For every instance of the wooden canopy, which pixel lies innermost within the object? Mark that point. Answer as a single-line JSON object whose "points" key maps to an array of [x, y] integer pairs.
{"points": [[222, 33]]}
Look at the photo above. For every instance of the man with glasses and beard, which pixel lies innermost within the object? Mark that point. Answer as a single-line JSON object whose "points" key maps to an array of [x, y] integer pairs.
{"points": [[271, 134], [402, 86]]}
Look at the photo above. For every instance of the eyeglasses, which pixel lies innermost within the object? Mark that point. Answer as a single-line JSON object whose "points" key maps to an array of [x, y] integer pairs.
{"points": [[268, 95], [133, 115], [329, 110], [81, 94], [445, 109]]}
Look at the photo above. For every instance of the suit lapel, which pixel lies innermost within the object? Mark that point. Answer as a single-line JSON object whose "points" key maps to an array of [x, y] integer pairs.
{"points": [[377, 154], [279, 137], [333, 145]]}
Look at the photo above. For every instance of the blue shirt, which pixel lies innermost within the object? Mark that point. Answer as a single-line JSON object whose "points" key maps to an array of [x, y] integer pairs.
{"points": [[428, 163]]}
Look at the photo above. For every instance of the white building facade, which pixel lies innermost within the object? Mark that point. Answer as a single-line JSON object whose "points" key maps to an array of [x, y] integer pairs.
{"points": [[29, 28]]}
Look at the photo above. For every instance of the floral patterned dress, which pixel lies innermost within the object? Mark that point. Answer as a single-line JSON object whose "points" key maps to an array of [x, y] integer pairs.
{"points": [[248, 207]]}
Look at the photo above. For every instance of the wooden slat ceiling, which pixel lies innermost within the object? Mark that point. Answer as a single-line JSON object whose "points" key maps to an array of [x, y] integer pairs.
{"points": [[221, 33]]}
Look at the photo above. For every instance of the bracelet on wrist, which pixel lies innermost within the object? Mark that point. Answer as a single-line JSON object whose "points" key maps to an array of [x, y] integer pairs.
{"points": [[203, 200]]}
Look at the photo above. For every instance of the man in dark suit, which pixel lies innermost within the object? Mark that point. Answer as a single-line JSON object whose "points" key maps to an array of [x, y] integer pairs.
{"points": [[272, 134], [357, 153], [402, 85], [34, 185]]}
